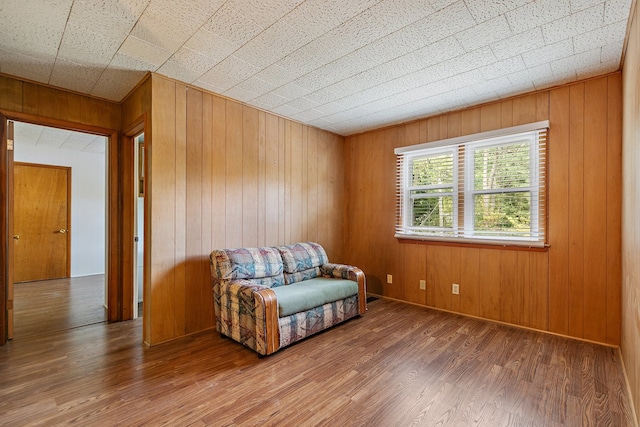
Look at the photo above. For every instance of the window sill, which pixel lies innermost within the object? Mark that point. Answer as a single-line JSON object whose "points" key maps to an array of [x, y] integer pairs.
{"points": [[517, 245]]}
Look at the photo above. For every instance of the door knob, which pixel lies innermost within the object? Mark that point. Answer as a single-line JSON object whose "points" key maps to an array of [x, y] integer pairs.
{"points": [[62, 231], [16, 237]]}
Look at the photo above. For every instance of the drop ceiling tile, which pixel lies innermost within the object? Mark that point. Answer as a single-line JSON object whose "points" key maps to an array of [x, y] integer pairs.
{"points": [[241, 20], [240, 94], [115, 84], [177, 72], [300, 62], [331, 108], [485, 33], [504, 67], [26, 22], [83, 45], [144, 51], [518, 44], [548, 53], [235, 68], [577, 5], [53, 137], [107, 18], [483, 10], [221, 82], [97, 147], [441, 4], [396, 14], [211, 45], [192, 60], [442, 24], [576, 62], [276, 75], [580, 22], [597, 69], [256, 86], [308, 115], [26, 133], [324, 95], [601, 37], [77, 77], [537, 13], [616, 10], [271, 100], [170, 23], [285, 110], [291, 91], [527, 76], [26, 46], [612, 52], [302, 104], [16, 64]]}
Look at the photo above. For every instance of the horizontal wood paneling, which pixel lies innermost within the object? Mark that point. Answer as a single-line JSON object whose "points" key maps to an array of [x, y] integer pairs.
{"points": [[223, 174], [630, 292], [573, 287]]}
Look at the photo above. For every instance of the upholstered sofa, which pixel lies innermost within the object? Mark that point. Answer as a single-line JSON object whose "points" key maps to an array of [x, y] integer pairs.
{"points": [[270, 297]]}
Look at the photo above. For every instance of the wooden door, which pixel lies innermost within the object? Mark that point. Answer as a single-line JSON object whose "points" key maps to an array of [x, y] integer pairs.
{"points": [[41, 222]]}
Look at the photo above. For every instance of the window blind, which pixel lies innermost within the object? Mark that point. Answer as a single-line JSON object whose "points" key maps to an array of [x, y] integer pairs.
{"points": [[488, 187]]}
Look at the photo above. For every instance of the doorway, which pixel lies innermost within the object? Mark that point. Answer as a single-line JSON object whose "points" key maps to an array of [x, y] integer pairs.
{"points": [[78, 298], [138, 240]]}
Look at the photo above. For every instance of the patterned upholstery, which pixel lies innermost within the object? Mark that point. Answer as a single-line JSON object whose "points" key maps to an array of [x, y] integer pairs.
{"points": [[302, 261], [246, 309]]}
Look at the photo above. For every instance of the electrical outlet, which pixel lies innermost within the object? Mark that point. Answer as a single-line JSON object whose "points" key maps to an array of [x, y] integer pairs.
{"points": [[455, 289], [389, 279], [423, 285]]}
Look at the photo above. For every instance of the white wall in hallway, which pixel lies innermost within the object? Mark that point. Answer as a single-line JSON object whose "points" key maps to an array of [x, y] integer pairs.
{"points": [[88, 203]]}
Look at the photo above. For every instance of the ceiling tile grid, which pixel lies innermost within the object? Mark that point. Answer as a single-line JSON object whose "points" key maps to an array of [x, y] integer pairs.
{"points": [[345, 66]]}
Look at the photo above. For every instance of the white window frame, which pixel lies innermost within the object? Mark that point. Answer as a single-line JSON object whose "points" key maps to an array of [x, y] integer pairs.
{"points": [[463, 231], [408, 205]]}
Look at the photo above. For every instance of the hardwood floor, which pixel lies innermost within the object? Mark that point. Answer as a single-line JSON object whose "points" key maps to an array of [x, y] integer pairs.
{"points": [[398, 365], [46, 306]]}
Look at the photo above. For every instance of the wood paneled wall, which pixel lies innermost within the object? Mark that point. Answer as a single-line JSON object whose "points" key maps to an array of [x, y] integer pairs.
{"points": [[631, 211], [573, 287], [222, 174], [49, 104]]}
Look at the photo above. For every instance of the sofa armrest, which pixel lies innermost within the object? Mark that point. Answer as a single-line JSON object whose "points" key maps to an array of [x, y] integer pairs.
{"points": [[349, 272], [248, 313]]}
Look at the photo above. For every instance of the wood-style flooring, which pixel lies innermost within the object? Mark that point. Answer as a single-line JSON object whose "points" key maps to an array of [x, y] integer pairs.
{"points": [[398, 365], [47, 306]]}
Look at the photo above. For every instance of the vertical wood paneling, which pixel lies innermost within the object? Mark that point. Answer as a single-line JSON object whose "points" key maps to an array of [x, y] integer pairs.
{"points": [[443, 278], [614, 207], [630, 292], [184, 269], [249, 176], [511, 302], [234, 174], [542, 289], [162, 200], [415, 269], [558, 229], [195, 280], [576, 210], [312, 185], [262, 184], [219, 174], [595, 210], [470, 282], [489, 282], [272, 207]]}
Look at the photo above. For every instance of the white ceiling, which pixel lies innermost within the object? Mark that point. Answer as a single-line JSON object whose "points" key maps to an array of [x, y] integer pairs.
{"points": [[341, 65], [42, 136]]}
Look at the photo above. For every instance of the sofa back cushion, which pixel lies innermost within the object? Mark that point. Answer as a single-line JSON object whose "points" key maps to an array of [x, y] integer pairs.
{"points": [[302, 261], [260, 265]]}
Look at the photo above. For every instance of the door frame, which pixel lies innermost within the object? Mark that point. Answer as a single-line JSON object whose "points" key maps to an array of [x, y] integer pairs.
{"points": [[67, 267], [119, 254]]}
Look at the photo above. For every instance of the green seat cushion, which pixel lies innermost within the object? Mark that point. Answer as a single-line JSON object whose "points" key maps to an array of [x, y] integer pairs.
{"points": [[305, 295]]}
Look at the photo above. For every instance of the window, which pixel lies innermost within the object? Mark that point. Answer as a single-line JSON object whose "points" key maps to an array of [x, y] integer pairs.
{"points": [[483, 188]]}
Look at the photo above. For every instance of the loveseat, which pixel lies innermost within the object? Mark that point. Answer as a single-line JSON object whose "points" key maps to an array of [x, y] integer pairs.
{"points": [[270, 297]]}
